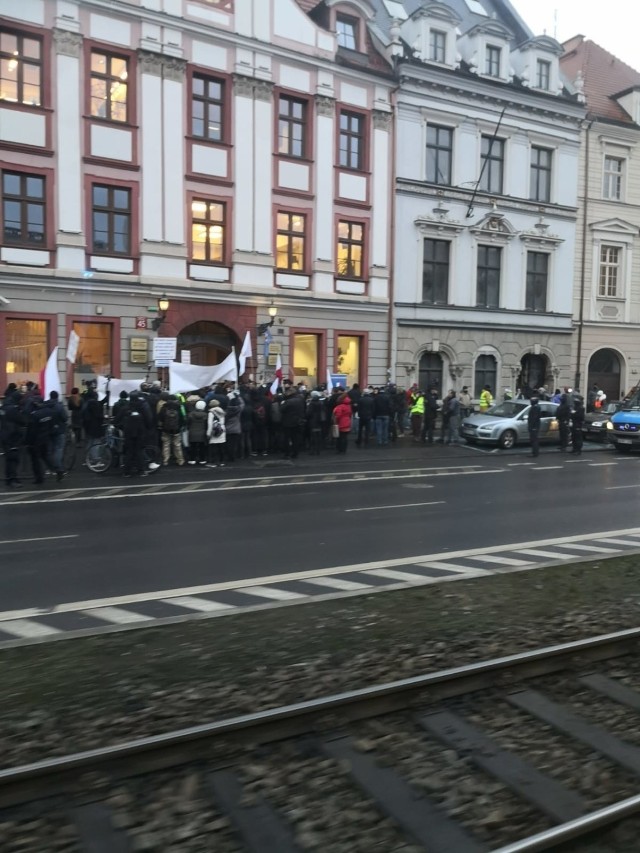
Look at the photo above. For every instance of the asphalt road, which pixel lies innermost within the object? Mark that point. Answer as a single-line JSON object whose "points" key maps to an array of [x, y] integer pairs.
{"points": [[186, 527]]}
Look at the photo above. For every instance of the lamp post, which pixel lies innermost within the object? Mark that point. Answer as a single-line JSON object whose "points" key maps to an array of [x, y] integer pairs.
{"points": [[272, 310], [163, 307]]}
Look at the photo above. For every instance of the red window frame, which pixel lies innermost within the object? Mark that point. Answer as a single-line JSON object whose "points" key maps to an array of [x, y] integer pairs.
{"points": [[307, 235], [363, 377], [364, 136], [307, 124], [227, 201], [134, 231], [52, 329], [49, 207]]}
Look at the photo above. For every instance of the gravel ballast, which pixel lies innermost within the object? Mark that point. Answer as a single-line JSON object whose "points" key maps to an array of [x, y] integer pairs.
{"points": [[83, 693]]}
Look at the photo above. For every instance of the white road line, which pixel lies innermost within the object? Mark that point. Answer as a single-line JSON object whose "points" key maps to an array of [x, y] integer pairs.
{"points": [[548, 468], [632, 486], [453, 567], [601, 464], [615, 542], [39, 539], [270, 592], [417, 559], [592, 548], [392, 506], [519, 464], [338, 583], [203, 605], [396, 575], [501, 561], [534, 552], [116, 615], [26, 629]]}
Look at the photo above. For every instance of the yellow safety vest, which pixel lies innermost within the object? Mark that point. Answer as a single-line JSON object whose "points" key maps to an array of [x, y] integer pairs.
{"points": [[486, 401], [418, 406]]}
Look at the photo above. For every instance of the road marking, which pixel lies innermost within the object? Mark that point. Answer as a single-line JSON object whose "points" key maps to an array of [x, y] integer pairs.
{"points": [[632, 486], [392, 506], [502, 561], [519, 464], [614, 541], [270, 592], [28, 630], [548, 468], [453, 567], [534, 552], [191, 602], [592, 548], [116, 615], [338, 583], [39, 539], [396, 575], [601, 464], [239, 585]]}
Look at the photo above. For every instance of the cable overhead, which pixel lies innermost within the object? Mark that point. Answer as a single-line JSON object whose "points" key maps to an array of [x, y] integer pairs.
{"points": [[484, 164]]}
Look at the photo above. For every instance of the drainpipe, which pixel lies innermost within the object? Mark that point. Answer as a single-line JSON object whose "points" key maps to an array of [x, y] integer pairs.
{"points": [[391, 326], [583, 258]]}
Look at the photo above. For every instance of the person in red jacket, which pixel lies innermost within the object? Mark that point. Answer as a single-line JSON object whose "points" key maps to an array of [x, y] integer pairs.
{"points": [[342, 417]]}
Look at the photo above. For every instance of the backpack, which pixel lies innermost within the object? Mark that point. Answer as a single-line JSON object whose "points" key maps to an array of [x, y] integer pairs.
{"points": [[171, 420], [216, 428]]}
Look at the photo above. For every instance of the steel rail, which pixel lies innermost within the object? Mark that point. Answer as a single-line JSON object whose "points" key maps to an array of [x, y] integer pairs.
{"points": [[53, 776]]}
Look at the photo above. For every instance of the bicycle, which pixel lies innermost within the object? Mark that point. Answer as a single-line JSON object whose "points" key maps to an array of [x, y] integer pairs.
{"points": [[109, 452]]}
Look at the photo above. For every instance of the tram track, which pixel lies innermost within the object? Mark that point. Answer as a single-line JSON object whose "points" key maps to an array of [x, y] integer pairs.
{"points": [[380, 753]]}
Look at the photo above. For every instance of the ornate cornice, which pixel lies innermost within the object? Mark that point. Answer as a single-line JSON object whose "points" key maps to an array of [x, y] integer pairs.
{"points": [[263, 90], [174, 68], [325, 106], [67, 43], [381, 120], [160, 65], [243, 85], [150, 63]]}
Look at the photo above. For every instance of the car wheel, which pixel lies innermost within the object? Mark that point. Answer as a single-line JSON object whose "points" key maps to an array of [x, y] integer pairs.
{"points": [[507, 440]]}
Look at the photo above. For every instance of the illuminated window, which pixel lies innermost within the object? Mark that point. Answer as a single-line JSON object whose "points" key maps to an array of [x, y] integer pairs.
{"points": [[348, 357], [95, 351], [208, 231], [306, 350], [207, 96], [350, 249], [111, 220], [351, 140], [23, 209], [109, 87], [292, 119], [290, 241], [27, 349], [20, 69]]}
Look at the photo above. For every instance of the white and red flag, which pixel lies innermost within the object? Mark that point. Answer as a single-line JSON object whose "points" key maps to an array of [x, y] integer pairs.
{"points": [[49, 376], [245, 353], [278, 380]]}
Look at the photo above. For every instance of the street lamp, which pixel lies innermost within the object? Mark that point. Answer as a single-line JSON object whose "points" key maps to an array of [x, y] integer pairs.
{"points": [[272, 310], [163, 307]]}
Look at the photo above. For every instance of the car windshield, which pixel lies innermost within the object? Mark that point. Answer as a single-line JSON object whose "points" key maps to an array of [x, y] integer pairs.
{"points": [[506, 410]]}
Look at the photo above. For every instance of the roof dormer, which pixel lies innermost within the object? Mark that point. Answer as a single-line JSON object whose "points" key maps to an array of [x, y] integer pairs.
{"points": [[629, 100], [348, 20], [431, 33], [536, 62], [486, 48]]}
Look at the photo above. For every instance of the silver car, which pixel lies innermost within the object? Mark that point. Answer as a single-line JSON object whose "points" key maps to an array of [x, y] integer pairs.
{"points": [[506, 424]]}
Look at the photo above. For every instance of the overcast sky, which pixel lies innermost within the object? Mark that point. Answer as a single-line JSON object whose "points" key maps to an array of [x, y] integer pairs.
{"points": [[609, 23]]}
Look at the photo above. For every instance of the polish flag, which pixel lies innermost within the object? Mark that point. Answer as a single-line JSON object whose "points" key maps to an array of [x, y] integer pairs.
{"points": [[49, 377], [277, 381], [245, 353]]}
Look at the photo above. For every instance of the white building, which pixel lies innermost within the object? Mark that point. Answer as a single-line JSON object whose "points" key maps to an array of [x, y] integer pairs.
{"points": [[486, 192], [231, 154]]}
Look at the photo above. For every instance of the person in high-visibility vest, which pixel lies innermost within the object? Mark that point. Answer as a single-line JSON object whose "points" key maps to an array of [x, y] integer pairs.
{"points": [[416, 411], [486, 398]]}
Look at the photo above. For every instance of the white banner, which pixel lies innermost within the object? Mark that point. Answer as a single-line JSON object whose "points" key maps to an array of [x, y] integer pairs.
{"points": [[72, 346], [115, 387], [192, 377]]}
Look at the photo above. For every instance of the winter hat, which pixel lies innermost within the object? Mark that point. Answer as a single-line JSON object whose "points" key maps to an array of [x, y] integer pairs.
{"points": [[214, 404], [124, 395], [315, 395], [200, 406], [368, 391]]}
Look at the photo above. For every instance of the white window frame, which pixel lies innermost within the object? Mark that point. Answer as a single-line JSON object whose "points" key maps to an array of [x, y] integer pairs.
{"points": [[546, 64], [611, 177], [437, 43], [606, 266], [489, 50]]}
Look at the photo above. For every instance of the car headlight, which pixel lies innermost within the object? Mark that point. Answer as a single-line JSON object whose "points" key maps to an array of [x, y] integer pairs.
{"points": [[597, 423], [609, 425]]}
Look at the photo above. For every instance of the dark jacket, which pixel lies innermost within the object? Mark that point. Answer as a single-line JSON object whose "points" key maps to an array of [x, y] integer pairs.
{"points": [[577, 416], [74, 402], [93, 417], [314, 413], [170, 406], [430, 408], [366, 407], [533, 419], [12, 420], [563, 412], [197, 426], [59, 414], [382, 405], [292, 410]]}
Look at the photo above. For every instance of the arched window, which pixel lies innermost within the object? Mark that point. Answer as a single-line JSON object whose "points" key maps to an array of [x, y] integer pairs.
{"points": [[486, 373], [430, 372], [604, 371]]}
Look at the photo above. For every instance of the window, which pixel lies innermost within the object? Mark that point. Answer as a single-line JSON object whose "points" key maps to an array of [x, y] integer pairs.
{"points": [[613, 171], [540, 189], [292, 120], [111, 220], [23, 209], [437, 45], [95, 351], [109, 87], [609, 271], [350, 249], [351, 140], [485, 373], [439, 154], [207, 98], [306, 353], [537, 280], [27, 349], [543, 74], [435, 272], [492, 61], [290, 242], [20, 69], [488, 282], [347, 32], [430, 371], [208, 228], [492, 166], [348, 357]]}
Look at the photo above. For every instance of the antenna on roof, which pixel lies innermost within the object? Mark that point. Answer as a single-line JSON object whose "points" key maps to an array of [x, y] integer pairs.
{"points": [[555, 24]]}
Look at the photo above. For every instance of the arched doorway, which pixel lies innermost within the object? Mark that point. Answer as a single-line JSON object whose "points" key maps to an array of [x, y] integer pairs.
{"points": [[485, 373], [535, 372], [208, 343], [604, 371], [430, 372]]}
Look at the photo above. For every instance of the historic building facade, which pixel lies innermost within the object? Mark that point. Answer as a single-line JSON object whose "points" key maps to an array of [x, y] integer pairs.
{"points": [[234, 156], [487, 148], [606, 343]]}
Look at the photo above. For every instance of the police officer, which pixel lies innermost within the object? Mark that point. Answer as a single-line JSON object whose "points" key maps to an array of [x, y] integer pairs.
{"points": [[563, 416], [533, 422], [577, 422]]}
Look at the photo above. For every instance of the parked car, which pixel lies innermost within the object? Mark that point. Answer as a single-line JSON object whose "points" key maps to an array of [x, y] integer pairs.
{"points": [[595, 423], [506, 424]]}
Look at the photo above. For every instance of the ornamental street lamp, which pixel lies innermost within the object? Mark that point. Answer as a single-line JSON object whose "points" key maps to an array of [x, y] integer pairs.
{"points": [[272, 310], [163, 307]]}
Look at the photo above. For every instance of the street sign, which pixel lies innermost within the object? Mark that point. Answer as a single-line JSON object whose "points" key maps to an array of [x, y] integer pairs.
{"points": [[142, 322], [164, 351]]}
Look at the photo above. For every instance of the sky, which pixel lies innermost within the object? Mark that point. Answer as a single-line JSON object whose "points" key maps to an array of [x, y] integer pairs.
{"points": [[600, 22]]}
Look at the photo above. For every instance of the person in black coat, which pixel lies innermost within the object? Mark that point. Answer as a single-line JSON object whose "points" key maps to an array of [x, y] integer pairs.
{"points": [[366, 412], [12, 423], [533, 423], [430, 415], [92, 418], [293, 419], [577, 422], [563, 416]]}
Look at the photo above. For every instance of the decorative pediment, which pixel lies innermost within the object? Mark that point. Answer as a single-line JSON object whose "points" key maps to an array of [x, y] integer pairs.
{"points": [[539, 237], [438, 12], [546, 44], [494, 227], [491, 28], [615, 226], [363, 6], [439, 223]]}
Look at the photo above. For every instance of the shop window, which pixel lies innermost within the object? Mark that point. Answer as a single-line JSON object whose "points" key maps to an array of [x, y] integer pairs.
{"points": [[95, 351], [306, 355], [348, 358], [27, 349]]}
